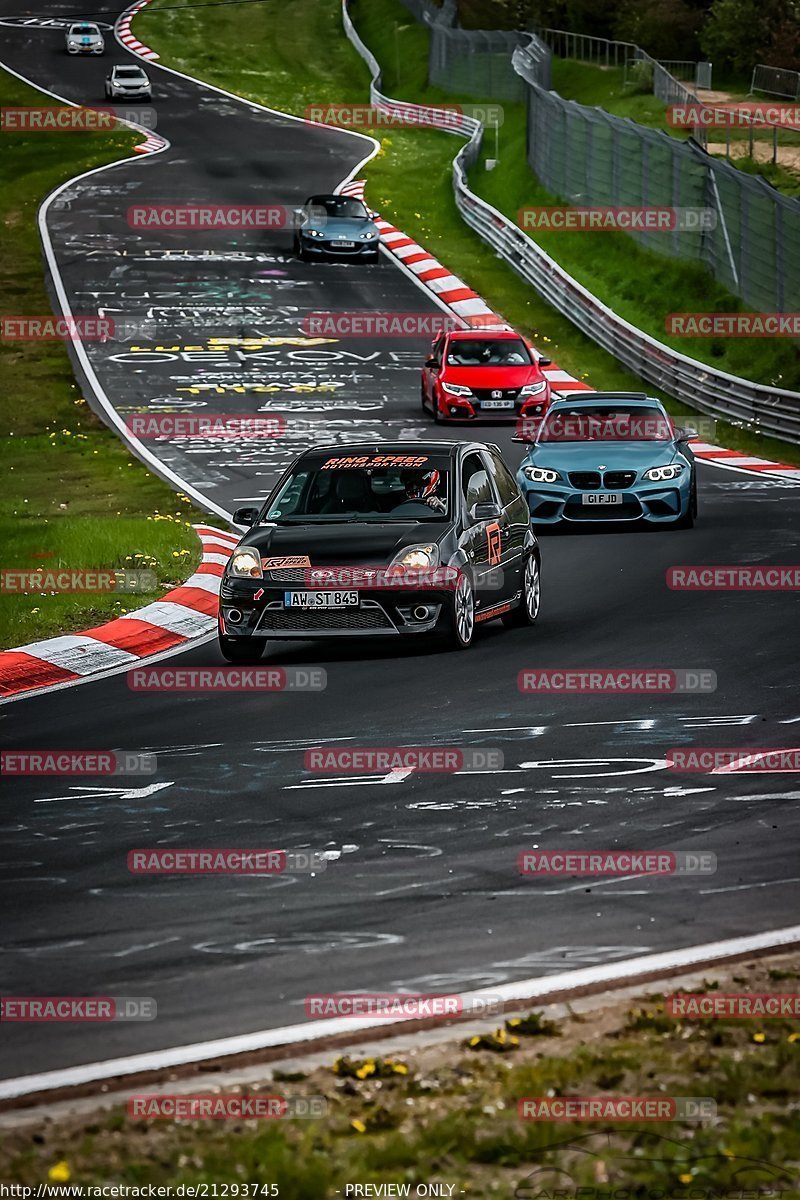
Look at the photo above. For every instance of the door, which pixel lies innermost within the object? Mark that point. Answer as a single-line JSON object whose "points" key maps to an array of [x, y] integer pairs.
{"points": [[516, 519], [483, 540], [429, 374]]}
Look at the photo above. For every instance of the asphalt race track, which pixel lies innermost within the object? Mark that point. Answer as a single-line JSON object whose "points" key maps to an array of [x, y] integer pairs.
{"points": [[421, 890]]}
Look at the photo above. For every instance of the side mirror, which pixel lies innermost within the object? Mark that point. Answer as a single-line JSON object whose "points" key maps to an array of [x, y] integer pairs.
{"points": [[432, 363], [373, 214], [685, 435], [246, 516], [544, 362], [485, 512]]}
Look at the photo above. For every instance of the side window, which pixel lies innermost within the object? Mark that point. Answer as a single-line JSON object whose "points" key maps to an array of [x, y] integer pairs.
{"points": [[475, 483], [438, 349], [503, 479]]}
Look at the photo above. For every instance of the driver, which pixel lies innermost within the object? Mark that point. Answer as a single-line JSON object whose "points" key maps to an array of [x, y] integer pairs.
{"points": [[421, 492]]}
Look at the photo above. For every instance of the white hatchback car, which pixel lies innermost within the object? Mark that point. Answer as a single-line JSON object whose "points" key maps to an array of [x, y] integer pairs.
{"points": [[128, 82], [84, 37]]}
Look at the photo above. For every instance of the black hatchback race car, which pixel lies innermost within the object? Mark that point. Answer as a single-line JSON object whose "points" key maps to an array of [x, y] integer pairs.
{"points": [[392, 539]]}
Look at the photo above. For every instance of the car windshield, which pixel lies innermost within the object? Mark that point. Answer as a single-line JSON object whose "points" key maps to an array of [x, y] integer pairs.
{"points": [[337, 206], [129, 73], [84, 29], [486, 352], [605, 423], [368, 487]]}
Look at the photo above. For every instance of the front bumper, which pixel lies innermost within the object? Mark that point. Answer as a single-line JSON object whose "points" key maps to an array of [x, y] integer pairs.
{"points": [[141, 94], [323, 248], [656, 504], [85, 49], [473, 414], [381, 612]]}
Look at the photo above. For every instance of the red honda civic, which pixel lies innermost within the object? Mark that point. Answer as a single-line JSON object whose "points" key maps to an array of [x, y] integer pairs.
{"points": [[484, 375]]}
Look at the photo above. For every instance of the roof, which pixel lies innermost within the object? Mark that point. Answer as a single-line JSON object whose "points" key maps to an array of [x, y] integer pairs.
{"points": [[485, 331], [406, 447], [586, 398]]}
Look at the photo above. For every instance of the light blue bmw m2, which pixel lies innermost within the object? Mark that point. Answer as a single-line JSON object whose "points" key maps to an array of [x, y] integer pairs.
{"points": [[608, 456]]}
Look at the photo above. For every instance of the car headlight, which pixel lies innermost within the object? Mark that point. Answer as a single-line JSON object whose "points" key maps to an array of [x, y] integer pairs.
{"points": [[417, 558], [367, 237], [657, 474], [541, 475], [456, 389], [246, 564], [533, 389], [313, 233]]}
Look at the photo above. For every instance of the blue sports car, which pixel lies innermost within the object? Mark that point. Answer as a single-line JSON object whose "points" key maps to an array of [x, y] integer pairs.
{"points": [[603, 456], [334, 226]]}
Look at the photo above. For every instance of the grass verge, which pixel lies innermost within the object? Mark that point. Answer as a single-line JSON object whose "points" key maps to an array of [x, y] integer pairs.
{"points": [[448, 1113], [74, 495], [282, 64]]}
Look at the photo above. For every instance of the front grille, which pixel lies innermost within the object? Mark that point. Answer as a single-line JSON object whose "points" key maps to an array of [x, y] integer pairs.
{"points": [[586, 481], [486, 393], [616, 480], [628, 511], [287, 574], [320, 620]]}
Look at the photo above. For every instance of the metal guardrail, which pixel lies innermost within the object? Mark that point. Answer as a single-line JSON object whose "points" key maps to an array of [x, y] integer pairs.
{"points": [[776, 81], [767, 410]]}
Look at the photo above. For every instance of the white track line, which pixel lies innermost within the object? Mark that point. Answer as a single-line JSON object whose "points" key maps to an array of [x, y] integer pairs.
{"points": [[524, 991]]}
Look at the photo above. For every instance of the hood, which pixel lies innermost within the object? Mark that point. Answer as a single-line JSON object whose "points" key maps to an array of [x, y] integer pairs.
{"points": [[343, 544], [492, 377], [587, 456], [347, 227]]}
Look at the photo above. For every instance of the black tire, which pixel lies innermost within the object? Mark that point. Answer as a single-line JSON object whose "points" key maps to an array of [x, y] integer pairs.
{"points": [[437, 416], [462, 628], [688, 519], [242, 650], [423, 399], [527, 611]]}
